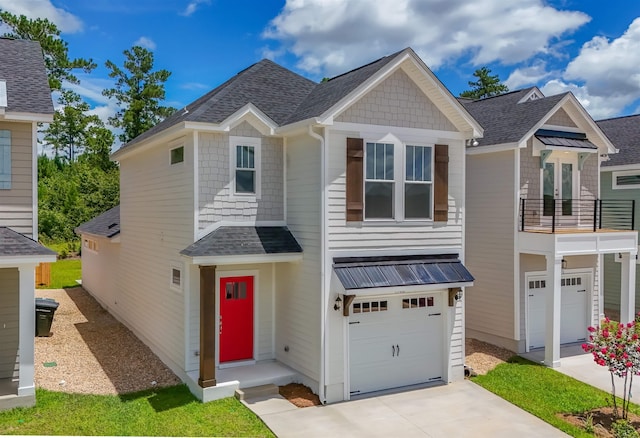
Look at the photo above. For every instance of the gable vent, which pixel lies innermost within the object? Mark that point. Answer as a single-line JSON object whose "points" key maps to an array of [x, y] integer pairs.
{"points": [[3, 94]]}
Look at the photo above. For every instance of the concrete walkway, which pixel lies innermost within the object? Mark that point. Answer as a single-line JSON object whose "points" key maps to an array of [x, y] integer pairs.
{"points": [[456, 410]]}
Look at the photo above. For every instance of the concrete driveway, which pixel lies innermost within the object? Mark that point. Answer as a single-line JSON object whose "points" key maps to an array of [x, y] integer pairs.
{"points": [[457, 410]]}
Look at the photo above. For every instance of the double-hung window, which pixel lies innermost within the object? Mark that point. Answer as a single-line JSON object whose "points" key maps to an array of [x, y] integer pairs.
{"points": [[418, 184], [245, 166], [5, 159], [379, 184]]}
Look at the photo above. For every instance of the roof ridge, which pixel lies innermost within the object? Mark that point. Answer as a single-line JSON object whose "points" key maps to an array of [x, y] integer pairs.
{"points": [[367, 65], [618, 117]]}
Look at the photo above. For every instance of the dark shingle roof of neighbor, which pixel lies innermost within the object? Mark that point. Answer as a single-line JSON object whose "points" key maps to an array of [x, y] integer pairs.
{"points": [[284, 96], [504, 119], [22, 68], [624, 133], [106, 225], [243, 240], [14, 244]]}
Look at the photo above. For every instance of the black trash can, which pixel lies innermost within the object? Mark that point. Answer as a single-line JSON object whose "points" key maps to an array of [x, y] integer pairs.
{"points": [[45, 308]]}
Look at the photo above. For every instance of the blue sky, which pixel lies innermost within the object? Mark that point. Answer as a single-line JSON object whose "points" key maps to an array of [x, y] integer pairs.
{"points": [[589, 47]]}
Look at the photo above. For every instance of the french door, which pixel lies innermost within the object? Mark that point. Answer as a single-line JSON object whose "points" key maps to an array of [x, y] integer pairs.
{"points": [[559, 184]]}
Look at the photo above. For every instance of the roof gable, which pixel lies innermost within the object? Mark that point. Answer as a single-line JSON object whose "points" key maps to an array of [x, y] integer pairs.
{"points": [[26, 84], [624, 133]]}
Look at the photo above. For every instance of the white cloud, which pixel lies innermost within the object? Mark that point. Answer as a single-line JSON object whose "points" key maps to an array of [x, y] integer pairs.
{"points": [[145, 42], [65, 21], [331, 36], [599, 107], [193, 6], [526, 76]]}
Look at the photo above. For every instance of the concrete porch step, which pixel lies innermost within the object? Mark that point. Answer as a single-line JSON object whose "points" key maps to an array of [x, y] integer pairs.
{"points": [[256, 391]]}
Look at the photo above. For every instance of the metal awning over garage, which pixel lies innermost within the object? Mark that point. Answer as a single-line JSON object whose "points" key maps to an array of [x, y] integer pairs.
{"points": [[380, 272]]}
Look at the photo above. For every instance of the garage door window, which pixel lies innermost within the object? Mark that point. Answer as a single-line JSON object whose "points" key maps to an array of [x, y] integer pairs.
{"points": [[416, 303], [537, 284], [571, 281], [370, 306]]}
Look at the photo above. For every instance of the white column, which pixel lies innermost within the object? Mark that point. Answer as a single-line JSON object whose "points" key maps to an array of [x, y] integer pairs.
{"points": [[26, 383], [552, 307], [628, 286]]}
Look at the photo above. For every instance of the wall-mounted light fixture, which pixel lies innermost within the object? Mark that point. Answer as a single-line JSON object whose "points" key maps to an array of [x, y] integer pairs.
{"points": [[564, 264], [336, 306], [472, 142]]}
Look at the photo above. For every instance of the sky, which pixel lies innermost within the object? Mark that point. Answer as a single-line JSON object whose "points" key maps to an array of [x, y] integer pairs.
{"points": [[588, 47]]}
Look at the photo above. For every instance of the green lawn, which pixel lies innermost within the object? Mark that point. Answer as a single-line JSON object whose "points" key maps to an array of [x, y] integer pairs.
{"points": [[544, 392], [64, 273], [164, 412]]}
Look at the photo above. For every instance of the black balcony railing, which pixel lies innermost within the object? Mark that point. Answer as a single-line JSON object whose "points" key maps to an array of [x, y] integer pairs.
{"points": [[551, 215]]}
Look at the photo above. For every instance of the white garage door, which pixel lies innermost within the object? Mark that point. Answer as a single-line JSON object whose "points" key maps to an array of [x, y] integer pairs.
{"points": [[395, 341], [574, 309]]}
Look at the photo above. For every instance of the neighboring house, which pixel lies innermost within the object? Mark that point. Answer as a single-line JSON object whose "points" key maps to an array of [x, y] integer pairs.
{"points": [[279, 230], [620, 179], [536, 226], [25, 100]]}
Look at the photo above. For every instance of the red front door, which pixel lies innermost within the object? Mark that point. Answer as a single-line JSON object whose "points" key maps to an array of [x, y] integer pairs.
{"points": [[236, 318]]}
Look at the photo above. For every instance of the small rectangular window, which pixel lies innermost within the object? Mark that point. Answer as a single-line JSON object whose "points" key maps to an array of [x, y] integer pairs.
{"points": [[5, 159], [177, 155], [356, 307], [245, 169], [175, 276], [627, 179]]}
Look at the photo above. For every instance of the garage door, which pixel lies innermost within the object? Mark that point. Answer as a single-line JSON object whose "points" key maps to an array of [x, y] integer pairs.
{"points": [[395, 341], [574, 309]]}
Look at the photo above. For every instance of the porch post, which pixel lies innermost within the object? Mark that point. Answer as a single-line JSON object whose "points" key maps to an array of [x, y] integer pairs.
{"points": [[628, 287], [207, 327], [27, 331], [552, 307]]}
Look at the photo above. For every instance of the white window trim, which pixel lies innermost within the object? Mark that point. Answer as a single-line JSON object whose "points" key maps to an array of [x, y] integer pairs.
{"points": [[399, 172], [256, 143], [9, 185], [180, 268], [614, 179], [87, 244], [176, 144]]}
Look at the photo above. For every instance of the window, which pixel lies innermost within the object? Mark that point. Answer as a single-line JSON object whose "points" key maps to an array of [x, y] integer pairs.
{"points": [[418, 302], [245, 165], [177, 155], [379, 181], [91, 245], [370, 306], [236, 290], [628, 179], [418, 183], [5, 159], [176, 278]]}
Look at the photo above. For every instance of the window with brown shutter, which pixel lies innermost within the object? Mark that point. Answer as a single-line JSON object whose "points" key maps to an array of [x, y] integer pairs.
{"points": [[355, 168], [441, 183]]}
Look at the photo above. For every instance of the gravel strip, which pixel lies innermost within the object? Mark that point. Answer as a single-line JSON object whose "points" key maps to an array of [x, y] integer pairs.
{"points": [[483, 357], [90, 352]]}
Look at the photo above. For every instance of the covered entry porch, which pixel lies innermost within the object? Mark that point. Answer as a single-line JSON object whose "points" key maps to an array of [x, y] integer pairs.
{"points": [[19, 257], [557, 249]]}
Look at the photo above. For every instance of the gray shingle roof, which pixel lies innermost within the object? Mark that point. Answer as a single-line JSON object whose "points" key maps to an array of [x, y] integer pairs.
{"points": [[22, 68], [624, 133], [106, 225], [14, 244], [504, 119], [281, 94], [230, 241]]}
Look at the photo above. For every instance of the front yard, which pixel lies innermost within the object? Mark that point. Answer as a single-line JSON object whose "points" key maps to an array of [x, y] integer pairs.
{"points": [[172, 411]]}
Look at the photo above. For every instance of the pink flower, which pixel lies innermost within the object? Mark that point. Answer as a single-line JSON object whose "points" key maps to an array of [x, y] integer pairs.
{"points": [[629, 364], [605, 333], [591, 329]]}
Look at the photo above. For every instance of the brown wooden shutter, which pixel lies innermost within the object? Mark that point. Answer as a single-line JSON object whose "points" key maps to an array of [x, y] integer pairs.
{"points": [[355, 179], [441, 184]]}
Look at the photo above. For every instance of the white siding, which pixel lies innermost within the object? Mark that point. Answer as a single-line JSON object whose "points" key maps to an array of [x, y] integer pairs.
{"points": [[407, 236], [16, 204], [98, 271], [156, 213], [9, 318], [215, 200], [298, 294], [490, 223]]}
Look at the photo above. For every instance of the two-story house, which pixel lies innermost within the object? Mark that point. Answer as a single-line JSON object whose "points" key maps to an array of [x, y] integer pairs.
{"points": [[620, 179], [25, 101], [537, 228], [281, 229]]}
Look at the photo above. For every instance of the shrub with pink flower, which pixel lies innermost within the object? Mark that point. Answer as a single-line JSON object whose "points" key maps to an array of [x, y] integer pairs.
{"points": [[617, 347]]}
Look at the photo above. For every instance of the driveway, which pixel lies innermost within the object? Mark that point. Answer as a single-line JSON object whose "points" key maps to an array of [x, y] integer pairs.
{"points": [[456, 410]]}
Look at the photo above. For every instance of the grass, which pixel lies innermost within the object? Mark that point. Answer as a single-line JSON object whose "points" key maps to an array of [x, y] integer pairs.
{"points": [[545, 392], [170, 411], [64, 273]]}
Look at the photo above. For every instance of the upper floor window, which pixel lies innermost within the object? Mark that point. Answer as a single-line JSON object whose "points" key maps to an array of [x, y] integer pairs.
{"points": [[418, 184], [628, 179], [379, 181], [245, 165], [5, 159], [177, 155]]}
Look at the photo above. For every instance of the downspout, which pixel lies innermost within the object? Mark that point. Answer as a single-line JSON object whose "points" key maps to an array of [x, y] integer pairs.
{"points": [[323, 307]]}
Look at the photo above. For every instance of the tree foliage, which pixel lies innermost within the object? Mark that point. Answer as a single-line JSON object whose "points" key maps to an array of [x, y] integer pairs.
{"points": [[56, 51], [138, 91], [487, 85]]}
